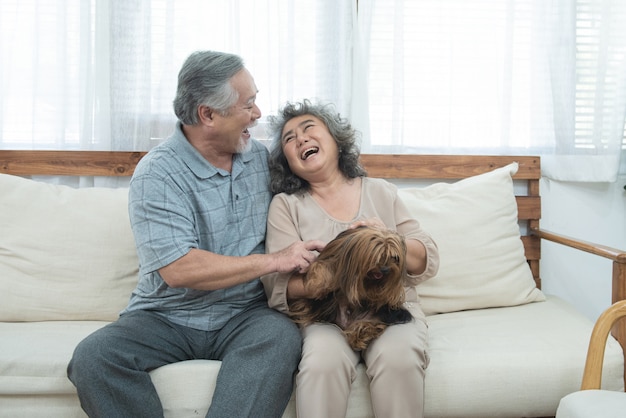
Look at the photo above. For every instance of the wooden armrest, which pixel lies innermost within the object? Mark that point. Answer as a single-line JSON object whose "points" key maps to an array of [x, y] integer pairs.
{"points": [[614, 254], [619, 284], [617, 256], [592, 377], [619, 265]]}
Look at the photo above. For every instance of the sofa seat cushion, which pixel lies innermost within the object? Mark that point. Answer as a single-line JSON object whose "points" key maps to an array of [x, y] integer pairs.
{"points": [[34, 358], [34, 355], [518, 361], [185, 390], [501, 362]]}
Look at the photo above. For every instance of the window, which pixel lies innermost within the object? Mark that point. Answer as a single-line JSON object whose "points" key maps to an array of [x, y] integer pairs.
{"points": [[454, 76], [99, 74], [485, 75]]}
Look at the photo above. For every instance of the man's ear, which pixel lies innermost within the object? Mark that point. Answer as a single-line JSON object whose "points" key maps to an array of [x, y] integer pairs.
{"points": [[206, 115]]}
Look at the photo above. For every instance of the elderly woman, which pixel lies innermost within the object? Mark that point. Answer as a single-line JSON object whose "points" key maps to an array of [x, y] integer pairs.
{"points": [[320, 190]]}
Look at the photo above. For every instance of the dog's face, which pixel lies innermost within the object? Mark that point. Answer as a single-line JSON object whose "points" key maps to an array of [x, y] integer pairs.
{"points": [[368, 265]]}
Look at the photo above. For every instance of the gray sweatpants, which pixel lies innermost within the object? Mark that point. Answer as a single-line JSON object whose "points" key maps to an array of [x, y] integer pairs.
{"points": [[259, 349]]}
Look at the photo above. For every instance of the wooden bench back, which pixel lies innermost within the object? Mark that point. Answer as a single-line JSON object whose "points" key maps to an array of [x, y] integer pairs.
{"points": [[422, 167]]}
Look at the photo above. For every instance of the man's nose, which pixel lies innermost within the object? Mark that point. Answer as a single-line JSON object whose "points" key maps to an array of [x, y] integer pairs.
{"points": [[256, 112]]}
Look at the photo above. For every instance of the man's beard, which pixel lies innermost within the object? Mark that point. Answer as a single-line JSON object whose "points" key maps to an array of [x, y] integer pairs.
{"points": [[245, 145]]}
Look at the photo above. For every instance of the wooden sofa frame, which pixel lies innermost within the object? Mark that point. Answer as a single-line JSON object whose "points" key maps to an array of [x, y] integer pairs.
{"points": [[431, 167]]}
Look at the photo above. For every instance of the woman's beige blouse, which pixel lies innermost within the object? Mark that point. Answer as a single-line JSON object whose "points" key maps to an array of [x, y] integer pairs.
{"points": [[298, 217]]}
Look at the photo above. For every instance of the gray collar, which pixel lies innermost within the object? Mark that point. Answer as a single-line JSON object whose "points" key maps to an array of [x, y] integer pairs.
{"points": [[197, 163]]}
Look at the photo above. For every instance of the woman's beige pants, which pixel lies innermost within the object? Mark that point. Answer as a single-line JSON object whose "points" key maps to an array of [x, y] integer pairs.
{"points": [[395, 362]]}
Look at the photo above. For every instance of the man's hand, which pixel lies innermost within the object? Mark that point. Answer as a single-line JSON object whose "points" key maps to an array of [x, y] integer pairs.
{"points": [[298, 256]]}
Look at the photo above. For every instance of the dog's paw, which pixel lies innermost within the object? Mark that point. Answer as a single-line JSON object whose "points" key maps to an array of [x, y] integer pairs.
{"points": [[394, 316], [360, 334], [318, 282]]}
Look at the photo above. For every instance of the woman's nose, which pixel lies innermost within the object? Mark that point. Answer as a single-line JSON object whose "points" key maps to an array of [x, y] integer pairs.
{"points": [[301, 137]]}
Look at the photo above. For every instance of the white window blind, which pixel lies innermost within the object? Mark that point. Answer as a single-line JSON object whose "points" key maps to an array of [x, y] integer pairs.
{"points": [[600, 74], [498, 77]]}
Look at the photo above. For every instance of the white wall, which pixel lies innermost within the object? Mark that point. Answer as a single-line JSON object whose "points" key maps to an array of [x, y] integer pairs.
{"points": [[593, 212]]}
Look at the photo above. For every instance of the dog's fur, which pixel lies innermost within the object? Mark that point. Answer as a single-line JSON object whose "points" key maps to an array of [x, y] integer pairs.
{"points": [[357, 283]]}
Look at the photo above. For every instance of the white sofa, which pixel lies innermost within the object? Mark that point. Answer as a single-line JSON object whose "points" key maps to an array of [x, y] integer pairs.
{"points": [[499, 347]]}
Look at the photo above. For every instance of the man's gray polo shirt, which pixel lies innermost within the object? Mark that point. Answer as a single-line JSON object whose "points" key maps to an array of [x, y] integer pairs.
{"points": [[178, 201]]}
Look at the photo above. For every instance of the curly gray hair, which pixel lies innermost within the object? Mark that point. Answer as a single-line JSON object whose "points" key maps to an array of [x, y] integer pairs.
{"points": [[282, 179]]}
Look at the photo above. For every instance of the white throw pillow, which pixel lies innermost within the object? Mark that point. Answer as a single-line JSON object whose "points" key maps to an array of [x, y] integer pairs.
{"points": [[65, 253], [474, 222]]}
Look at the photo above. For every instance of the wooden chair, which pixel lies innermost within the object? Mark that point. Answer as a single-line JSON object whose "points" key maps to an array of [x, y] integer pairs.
{"points": [[591, 401]]}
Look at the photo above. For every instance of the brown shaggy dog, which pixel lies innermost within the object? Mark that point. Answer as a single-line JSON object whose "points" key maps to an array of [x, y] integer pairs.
{"points": [[357, 283]]}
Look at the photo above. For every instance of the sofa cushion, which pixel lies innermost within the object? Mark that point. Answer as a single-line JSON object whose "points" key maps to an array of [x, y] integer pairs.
{"points": [[34, 355], [474, 222], [185, 390], [65, 253], [534, 355], [518, 361]]}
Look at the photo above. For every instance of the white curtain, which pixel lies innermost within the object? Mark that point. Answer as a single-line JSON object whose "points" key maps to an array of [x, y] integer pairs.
{"points": [[541, 77], [101, 74]]}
